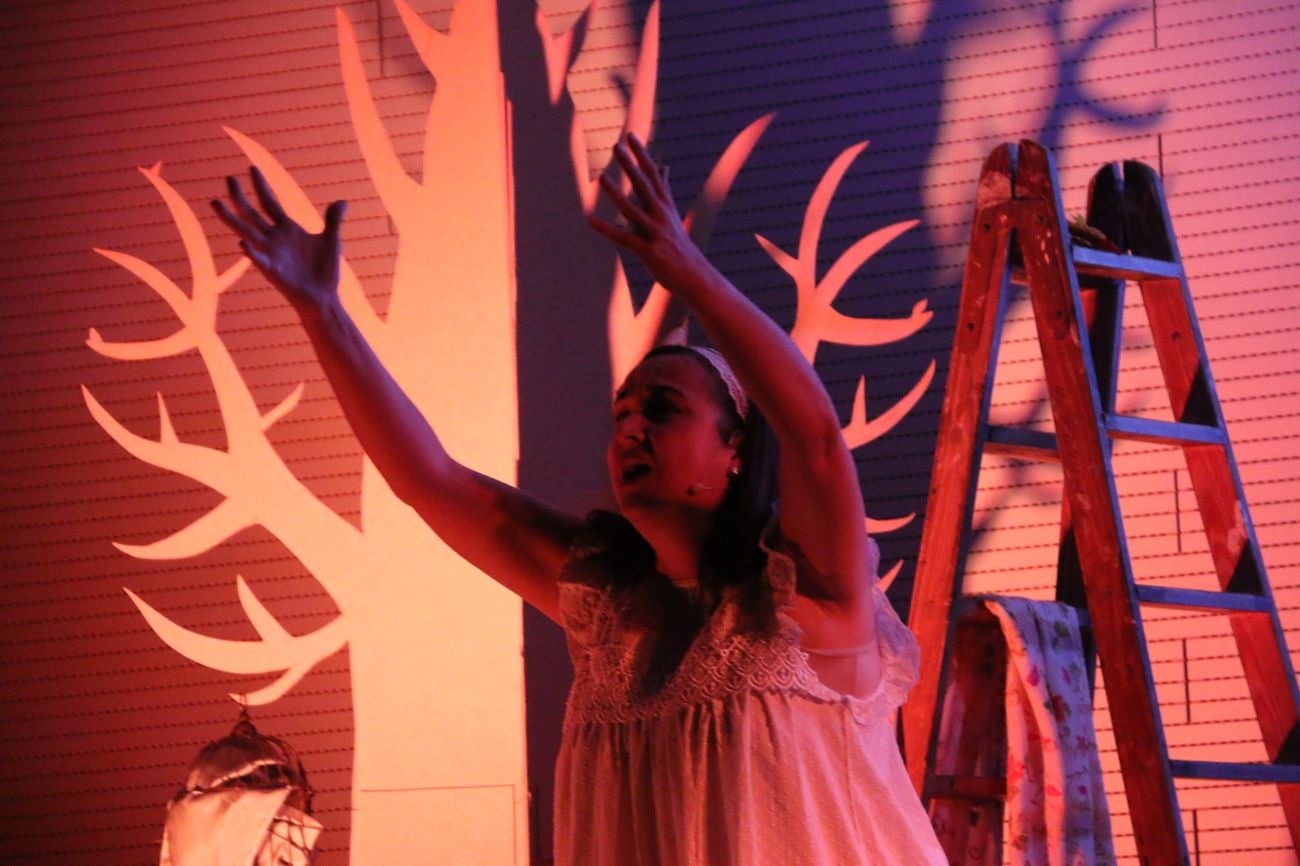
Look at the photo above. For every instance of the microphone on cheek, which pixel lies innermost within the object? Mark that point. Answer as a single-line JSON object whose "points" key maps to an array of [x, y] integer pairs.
{"points": [[697, 487]]}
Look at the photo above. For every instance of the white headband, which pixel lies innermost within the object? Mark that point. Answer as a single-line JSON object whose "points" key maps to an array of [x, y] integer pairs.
{"points": [[739, 399]]}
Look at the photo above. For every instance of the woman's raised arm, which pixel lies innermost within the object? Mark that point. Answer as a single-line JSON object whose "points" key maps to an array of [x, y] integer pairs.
{"points": [[821, 503], [512, 537]]}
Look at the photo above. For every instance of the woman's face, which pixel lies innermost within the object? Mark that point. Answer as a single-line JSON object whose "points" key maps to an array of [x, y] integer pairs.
{"points": [[666, 450]]}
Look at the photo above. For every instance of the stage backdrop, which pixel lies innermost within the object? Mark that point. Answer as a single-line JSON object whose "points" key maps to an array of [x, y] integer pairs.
{"points": [[186, 515]]}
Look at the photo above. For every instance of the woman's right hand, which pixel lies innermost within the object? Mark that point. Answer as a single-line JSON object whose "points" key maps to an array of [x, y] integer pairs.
{"points": [[302, 265]]}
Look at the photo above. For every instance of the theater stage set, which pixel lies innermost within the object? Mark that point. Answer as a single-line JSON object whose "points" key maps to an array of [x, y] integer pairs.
{"points": [[191, 535]]}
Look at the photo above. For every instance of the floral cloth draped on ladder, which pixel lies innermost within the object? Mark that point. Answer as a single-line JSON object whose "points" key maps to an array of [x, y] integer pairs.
{"points": [[1056, 805]]}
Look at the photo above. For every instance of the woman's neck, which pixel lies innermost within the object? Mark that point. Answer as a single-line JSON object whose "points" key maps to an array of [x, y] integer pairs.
{"points": [[678, 541]]}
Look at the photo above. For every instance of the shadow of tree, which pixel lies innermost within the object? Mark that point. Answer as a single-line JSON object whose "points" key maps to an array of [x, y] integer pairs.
{"points": [[835, 73]]}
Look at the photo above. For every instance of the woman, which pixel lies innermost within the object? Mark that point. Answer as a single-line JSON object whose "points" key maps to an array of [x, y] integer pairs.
{"points": [[735, 663]]}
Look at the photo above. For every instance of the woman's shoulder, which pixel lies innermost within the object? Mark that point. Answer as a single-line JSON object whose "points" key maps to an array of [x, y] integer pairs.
{"points": [[606, 557], [603, 551]]}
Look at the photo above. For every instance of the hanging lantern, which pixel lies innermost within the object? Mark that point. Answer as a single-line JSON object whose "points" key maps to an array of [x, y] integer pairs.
{"points": [[246, 802]]}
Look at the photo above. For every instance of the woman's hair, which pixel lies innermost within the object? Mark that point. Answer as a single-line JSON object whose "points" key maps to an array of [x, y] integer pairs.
{"points": [[731, 556]]}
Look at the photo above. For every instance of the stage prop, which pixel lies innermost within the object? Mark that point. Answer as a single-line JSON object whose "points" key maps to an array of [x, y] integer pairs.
{"points": [[1076, 283], [434, 649], [246, 802], [1019, 668]]}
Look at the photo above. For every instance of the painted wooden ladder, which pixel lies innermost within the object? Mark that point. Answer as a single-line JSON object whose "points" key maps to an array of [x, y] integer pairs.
{"points": [[1020, 234]]}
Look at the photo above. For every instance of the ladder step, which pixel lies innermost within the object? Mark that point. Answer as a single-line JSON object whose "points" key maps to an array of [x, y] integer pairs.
{"points": [[1207, 600], [967, 787], [985, 788], [1021, 442], [1031, 444], [1163, 432], [1230, 772], [1121, 266]]}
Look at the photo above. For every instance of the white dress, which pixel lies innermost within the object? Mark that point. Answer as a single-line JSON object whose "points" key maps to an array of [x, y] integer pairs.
{"points": [[731, 753]]}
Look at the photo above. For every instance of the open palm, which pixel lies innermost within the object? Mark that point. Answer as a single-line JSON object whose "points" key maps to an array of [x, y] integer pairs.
{"points": [[302, 265]]}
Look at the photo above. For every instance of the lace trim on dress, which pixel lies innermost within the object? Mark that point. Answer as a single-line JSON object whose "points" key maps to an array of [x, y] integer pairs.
{"points": [[623, 672], [619, 677]]}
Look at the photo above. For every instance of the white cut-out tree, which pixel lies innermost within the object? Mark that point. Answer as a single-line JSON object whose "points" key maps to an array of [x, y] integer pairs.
{"points": [[434, 648], [817, 321]]}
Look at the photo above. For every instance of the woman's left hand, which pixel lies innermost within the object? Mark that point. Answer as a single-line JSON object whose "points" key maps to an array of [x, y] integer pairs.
{"points": [[654, 232], [821, 500]]}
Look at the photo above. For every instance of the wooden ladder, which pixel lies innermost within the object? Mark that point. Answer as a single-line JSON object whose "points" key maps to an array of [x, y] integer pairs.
{"points": [[1020, 235]]}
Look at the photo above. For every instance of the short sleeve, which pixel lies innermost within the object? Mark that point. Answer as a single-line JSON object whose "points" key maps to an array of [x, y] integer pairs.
{"points": [[899, 654], [581, 608], [780, 572], [900, 658]]}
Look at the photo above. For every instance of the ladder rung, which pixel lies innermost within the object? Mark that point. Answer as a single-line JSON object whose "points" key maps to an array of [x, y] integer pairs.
{"points": [[1230, 772], [1172, 596], [967, 787], [1163, 432], [1021, 442], [1121, 266]]}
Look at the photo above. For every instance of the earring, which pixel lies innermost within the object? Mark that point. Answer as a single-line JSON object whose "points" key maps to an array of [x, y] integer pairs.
{"points": [[733, 472]]}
